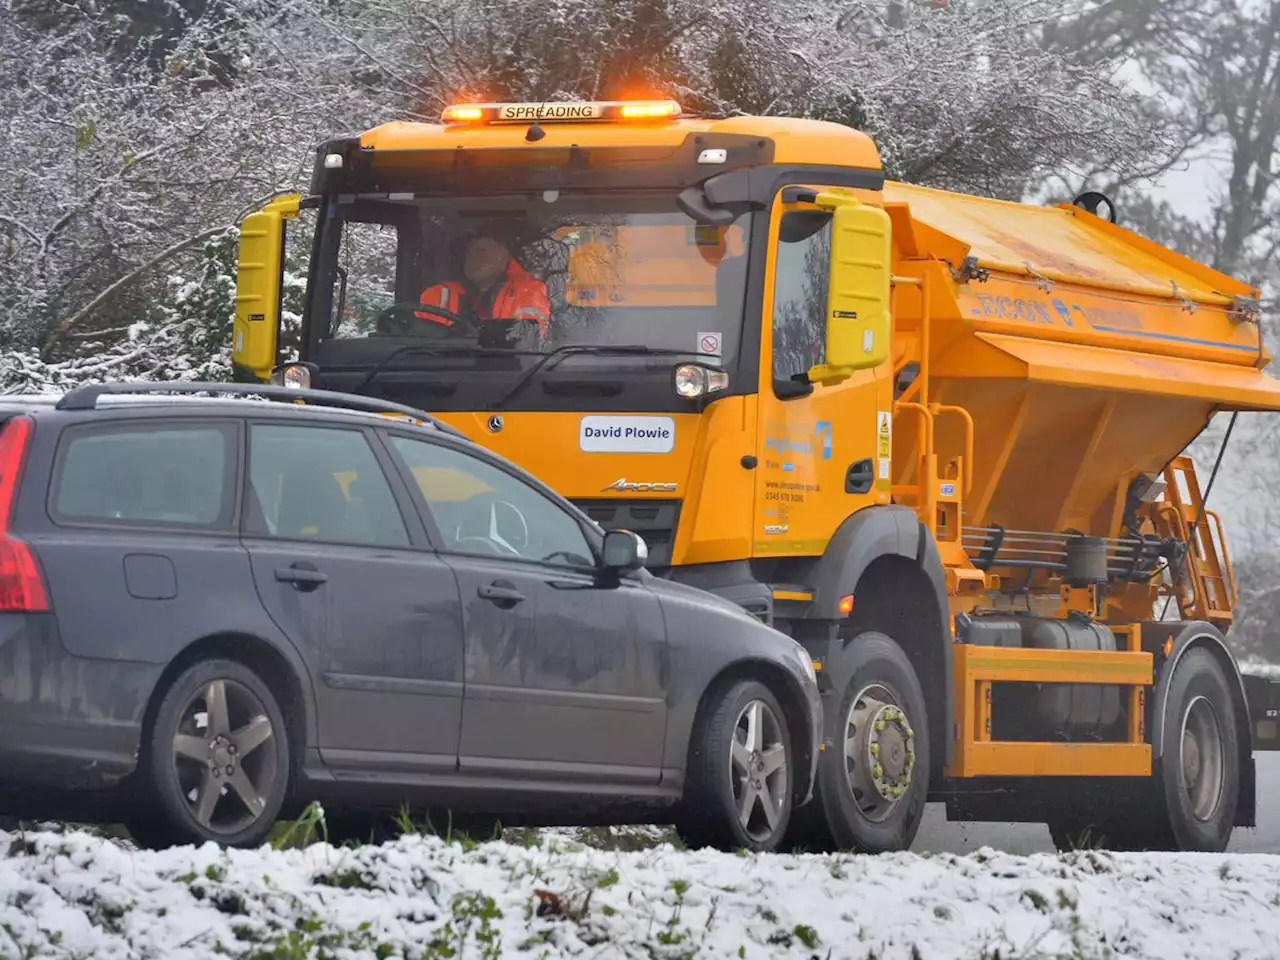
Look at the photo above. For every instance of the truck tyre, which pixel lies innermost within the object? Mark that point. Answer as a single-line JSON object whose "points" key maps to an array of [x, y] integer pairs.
{"points": [[215, 760], [873, 776], [1199, 766], [1195, 782], [738, 790]]}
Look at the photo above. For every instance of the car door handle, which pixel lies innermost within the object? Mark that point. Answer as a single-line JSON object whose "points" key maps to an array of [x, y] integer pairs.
{"points": [[500, 592], [302, 578]]}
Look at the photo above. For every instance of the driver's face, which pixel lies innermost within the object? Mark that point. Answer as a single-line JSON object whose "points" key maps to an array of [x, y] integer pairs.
{"points": [[486, 261]]}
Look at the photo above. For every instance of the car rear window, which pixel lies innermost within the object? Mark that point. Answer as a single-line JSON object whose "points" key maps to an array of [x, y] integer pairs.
{"points": [[163, 474]]}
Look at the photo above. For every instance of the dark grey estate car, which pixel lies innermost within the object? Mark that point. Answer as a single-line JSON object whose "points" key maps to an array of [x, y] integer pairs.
{"points": [[215, 609]]}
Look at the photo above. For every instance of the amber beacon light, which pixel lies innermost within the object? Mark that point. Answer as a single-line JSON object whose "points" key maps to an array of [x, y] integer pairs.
{"points": [[576, 111]]}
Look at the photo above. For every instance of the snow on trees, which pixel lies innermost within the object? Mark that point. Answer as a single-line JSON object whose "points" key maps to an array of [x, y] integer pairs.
{"points": [[131, 143]]}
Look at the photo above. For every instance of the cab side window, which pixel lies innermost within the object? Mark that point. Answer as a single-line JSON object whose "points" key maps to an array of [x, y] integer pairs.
{"points": [[482, 510], [319, 483], [801, 273], [368, 258]]}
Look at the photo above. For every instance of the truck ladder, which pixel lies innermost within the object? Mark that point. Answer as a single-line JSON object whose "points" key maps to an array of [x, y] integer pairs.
{"points": [[939, 490], [1206, 590]]}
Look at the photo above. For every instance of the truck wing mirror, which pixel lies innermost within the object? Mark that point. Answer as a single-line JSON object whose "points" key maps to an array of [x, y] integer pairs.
{"points": [[859, 321], [259, 279]]}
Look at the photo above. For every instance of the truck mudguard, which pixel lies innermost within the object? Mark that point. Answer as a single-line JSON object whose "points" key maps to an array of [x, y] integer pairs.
{"points": [[865, 537], [1198, 633]]}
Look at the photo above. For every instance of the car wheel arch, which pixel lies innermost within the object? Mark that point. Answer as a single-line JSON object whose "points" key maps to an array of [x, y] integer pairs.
{"points": [[789, 695], [283, 676]]}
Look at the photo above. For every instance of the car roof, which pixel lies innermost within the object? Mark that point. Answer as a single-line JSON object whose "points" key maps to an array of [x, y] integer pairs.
{"points": [[227, 400], [236, 401]]}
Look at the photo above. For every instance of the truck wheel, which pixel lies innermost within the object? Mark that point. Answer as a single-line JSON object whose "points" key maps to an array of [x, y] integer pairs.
{"points": [[873, 776], [739, 783], [216, 759], [1199, 766], [1195, 782]]}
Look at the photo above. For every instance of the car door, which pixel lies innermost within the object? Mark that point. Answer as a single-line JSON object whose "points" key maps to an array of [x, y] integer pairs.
{"points": [[343, 566], [566, 678]]}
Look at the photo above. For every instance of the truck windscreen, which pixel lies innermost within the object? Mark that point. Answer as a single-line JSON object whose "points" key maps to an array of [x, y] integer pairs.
{"points": [[527, 274]]}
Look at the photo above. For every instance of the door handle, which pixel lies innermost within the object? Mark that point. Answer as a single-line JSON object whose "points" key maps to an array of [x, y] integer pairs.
{"points": [[860, 477], [500, 592], [302, 577]]}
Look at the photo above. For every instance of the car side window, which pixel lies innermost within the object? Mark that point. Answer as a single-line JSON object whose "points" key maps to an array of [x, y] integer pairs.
{"points": [[147, 474], [481, 509], [319, 483]]}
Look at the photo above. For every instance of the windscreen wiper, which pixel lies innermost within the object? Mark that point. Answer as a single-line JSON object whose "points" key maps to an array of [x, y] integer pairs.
{"points": [[550, 360], [433, 350]]}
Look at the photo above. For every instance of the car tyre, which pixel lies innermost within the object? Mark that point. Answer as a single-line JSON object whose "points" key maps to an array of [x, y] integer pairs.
{"points": [[873, 778], [739, 784], [216, 760]]}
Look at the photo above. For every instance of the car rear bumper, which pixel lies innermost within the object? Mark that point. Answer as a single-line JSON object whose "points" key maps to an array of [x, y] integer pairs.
{"points": [[66, 723]]}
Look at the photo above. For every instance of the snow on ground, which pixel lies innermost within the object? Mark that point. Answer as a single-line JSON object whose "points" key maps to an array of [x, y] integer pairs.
{"points": [[78, 895]]}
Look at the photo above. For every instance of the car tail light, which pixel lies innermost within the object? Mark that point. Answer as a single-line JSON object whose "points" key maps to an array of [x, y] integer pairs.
{"points": [[21, 586]]}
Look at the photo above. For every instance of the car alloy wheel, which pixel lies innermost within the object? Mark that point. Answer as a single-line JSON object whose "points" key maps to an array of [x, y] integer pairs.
{"points": [[758, 768], [739, 781], [216, 759], [217, 756]]}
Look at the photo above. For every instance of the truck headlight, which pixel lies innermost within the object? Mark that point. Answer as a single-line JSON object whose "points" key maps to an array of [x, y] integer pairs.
{"points": [[693, 380]]}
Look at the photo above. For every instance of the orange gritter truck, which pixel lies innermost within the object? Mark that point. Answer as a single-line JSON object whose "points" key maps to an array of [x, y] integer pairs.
{"points": [[937, 438]]}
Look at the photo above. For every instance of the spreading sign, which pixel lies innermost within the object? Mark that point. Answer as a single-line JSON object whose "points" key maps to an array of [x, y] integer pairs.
{"points": [[550, 111]]}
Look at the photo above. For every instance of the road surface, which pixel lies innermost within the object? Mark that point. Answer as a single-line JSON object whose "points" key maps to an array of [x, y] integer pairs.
{"points": [[938, 836]]}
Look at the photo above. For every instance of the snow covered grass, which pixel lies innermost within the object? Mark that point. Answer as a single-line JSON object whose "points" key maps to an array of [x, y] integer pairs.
{"points": [[75, 894]]}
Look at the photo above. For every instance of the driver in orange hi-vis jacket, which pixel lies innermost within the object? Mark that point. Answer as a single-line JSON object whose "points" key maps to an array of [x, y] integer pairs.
{"points": [[496, 288]]}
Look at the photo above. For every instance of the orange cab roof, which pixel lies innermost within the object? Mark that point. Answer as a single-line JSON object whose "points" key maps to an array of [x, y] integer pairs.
{"points": [[795, 140]]}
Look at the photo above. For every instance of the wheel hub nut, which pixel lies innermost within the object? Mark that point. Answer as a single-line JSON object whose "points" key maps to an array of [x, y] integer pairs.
{"points": [[891, 748]]}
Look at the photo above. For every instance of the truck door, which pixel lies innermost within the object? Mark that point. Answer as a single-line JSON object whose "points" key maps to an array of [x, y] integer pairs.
{"points": [[823, 450]]}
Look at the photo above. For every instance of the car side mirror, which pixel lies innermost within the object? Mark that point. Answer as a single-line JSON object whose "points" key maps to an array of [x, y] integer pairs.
{"points": [[624, 551]]}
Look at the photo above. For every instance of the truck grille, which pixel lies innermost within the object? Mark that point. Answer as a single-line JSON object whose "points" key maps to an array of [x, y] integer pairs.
{"points": [[655, 520]]}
